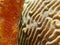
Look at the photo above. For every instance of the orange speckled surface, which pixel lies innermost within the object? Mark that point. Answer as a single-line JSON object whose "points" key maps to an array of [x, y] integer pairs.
{"points": [[9, 17]]}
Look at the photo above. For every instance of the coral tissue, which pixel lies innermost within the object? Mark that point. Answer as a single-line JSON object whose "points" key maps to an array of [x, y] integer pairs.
{"points": [[41, 23], [9, 17]]}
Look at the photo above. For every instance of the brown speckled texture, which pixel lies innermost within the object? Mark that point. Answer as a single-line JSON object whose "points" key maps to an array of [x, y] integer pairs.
{"points": [[10, 11]]}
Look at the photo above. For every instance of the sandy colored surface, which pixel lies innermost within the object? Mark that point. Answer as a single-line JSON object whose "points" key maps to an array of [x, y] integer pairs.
{"points": [[41, 23]]}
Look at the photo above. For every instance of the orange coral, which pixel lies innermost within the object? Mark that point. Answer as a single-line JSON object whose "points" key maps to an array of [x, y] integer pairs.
{"points": [[9, 16]]}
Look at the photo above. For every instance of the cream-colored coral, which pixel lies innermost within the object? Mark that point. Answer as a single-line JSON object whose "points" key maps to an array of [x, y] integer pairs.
{"points": [[41, 23]]}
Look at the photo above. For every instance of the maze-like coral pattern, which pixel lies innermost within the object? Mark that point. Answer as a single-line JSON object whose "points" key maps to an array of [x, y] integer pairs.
{"points": [[41, 23]]}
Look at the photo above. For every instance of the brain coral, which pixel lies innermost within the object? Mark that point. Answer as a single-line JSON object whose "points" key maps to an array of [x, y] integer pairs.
{"points": [[40, 23]]}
